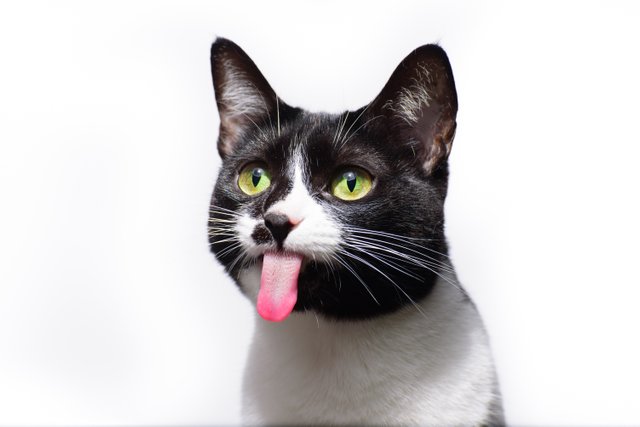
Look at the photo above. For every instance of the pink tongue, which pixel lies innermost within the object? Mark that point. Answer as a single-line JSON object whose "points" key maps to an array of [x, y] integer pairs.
{"points": [[278, 285]]}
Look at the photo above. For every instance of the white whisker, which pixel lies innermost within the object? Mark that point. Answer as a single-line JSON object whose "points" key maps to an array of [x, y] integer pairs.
{"points": [[385, 276], [352, 271]]}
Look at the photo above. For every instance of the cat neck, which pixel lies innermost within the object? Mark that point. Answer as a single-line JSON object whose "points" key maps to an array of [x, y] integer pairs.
{"points": [[441, 316]]}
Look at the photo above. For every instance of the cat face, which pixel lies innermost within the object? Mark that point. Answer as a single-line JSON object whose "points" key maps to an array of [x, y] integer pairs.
{"points": [[338, 214]]}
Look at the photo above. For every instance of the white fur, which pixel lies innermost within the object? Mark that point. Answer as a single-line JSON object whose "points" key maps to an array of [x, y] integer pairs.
{"points": [[242, 105], [239, 96], [411, 100], [402, 368], [426, 366], [315, 235]]}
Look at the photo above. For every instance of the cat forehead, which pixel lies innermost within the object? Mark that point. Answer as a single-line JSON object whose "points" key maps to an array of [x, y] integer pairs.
{"points": [[316, 137]]}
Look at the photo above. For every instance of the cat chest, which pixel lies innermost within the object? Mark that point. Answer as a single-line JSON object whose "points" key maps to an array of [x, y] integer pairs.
{"points": [[343, 378], [359, 375], [328, 383]]}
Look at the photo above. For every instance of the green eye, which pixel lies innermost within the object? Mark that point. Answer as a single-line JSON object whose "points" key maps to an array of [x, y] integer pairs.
{"points": [[254, 179], [351, 184]]}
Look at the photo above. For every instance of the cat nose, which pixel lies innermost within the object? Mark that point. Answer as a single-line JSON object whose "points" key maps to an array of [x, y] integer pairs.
{"points": [[279, 225]]}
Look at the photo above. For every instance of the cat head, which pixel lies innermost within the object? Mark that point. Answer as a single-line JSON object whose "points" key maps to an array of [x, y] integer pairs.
{"points": [[341, 214]]}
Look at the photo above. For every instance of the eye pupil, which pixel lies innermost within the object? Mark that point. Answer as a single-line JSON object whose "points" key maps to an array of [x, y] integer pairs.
{"points": [[350, 178], [256, 175]]}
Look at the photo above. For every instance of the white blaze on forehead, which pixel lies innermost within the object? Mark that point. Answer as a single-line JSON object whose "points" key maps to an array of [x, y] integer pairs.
{"points": [[315, 232], [296, 205]]}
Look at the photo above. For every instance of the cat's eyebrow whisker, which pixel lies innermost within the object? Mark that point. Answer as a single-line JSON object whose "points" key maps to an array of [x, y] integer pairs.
{"points": [[345, 140], [278, 113], [355, 121], [341, 124]]}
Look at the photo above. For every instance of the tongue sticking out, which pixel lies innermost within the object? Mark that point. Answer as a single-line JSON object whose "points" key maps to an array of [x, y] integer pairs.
{"points": [[278, 285]]}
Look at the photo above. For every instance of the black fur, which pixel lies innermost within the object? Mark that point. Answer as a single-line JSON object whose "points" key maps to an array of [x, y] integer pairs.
{"points": [[408, 162]]}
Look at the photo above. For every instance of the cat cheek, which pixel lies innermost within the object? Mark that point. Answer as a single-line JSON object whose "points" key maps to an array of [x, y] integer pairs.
{"points": [[245, 229], [317, 235], [261, 235]]}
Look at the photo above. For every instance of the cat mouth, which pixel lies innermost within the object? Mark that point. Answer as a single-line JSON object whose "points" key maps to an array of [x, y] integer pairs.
{"points": [[278, 284]]}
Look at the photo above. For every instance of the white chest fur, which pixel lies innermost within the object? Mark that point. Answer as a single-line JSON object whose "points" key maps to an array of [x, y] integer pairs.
{"points": [[432, 367]]}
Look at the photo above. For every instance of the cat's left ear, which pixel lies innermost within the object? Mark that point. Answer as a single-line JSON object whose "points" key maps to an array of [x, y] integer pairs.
{"points": [[420, 104], [243, 95]]}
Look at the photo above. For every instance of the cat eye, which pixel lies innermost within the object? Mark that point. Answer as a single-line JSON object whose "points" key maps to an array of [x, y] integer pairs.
{"points": [[254, 179], [351, 184]]}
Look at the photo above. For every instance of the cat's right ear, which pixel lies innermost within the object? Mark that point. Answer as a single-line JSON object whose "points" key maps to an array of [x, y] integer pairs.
{"points": [[420, 105], [243, 95]]}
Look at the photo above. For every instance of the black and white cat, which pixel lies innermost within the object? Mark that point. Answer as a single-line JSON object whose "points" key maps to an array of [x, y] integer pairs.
{"points": [[333, 225]]}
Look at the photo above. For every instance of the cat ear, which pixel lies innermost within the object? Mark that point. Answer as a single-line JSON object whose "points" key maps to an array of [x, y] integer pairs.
{"points": [[420, 104], [243, 95]]}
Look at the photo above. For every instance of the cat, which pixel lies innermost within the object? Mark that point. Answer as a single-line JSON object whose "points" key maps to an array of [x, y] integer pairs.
{"points": [[333, 226]]}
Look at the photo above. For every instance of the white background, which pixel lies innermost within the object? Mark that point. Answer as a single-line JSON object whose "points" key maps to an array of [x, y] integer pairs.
{"points": [[112, 310]]}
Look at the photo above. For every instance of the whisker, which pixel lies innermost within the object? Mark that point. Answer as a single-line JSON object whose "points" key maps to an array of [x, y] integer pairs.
{"points": [[241, 258], [229, 249], [345, 140], [385, 276], [341, 124], [356, 120], [227, 240], [278, 113], [352, 271], [404, 239], [385, 260], [228, 224], [423, 258], [217, 233], [221, 210]]}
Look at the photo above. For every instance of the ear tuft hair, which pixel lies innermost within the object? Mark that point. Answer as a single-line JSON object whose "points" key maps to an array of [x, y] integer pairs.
{"points": [[420, 104], [243, 95]]}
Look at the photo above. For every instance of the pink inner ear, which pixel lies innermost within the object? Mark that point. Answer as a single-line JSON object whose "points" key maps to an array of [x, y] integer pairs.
{"points": [[278, 285]]}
